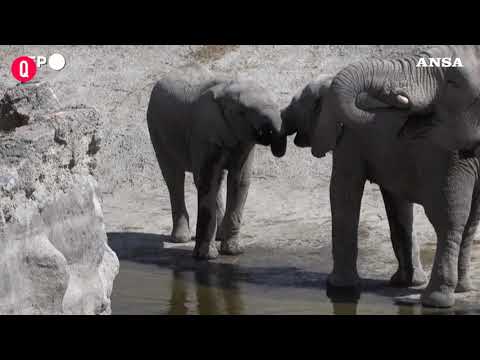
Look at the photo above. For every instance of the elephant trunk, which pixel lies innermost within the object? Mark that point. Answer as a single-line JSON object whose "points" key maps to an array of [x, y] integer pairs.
{"points": [[399, 83], [278, 145], [288, 125]]}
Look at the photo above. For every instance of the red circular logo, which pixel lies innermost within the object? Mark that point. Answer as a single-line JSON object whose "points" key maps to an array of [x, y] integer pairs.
{"points": [[24, 69]]}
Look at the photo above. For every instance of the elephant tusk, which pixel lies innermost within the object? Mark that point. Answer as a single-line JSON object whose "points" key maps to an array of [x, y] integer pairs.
{"points": [[402, 99]]}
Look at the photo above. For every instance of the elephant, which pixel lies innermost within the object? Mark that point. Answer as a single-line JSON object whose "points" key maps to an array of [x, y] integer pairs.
{"points": [[209, 125], [300, 117], [413, 130]]}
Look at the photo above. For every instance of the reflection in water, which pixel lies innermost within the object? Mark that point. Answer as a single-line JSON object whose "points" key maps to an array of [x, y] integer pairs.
{"points": [[346, 308], [212, 289], [344, 300], [154, 279], [178, 300], [406, 310], [230, 290], [207, 299]]}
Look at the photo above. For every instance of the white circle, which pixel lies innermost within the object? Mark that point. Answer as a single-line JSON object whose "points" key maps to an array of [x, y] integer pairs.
{"points": [[56, 61]]}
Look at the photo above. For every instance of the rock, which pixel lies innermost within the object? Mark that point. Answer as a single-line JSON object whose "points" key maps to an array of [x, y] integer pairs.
{"points": [[54, 257], [21, 103]]}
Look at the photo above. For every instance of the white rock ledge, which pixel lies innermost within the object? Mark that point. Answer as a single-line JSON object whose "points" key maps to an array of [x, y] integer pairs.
{"points": [[54, 257]]}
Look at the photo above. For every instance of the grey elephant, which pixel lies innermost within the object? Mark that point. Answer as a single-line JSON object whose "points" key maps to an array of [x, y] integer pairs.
{"points": [[414, 131], [300, 115], [209, 125], [300, 118]]}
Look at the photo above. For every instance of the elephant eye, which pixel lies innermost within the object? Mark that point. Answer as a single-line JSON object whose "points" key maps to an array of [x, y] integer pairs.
{"points": [[453, 83], [242, 112], [454, 78]]}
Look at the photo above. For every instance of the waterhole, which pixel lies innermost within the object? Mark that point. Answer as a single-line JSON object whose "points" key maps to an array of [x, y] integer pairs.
{"points": [[158, 278]]}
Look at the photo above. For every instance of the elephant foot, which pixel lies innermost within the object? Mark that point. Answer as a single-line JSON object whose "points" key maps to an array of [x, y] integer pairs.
{"points": [[205, 251], [464, 285], [438, 299], [343, 281], [180, 234], [180, 239], [343, 294], [402, 279], [231, 247]]}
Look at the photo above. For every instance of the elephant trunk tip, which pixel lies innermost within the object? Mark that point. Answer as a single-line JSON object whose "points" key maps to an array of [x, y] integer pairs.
{"points": [[278, 146], [316, 153]]}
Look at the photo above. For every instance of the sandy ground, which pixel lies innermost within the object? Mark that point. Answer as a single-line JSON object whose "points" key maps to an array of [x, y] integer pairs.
{"points": [[288, 204]]}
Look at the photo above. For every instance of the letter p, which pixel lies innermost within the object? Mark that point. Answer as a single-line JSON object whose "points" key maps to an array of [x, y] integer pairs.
{"points": [[41, 60]]}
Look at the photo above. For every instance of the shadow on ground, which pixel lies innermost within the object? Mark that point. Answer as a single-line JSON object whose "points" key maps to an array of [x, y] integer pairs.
{"points": [[225, 275]]}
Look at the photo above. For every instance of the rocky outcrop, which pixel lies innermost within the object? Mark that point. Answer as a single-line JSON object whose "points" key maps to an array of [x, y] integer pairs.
{"points": [[54, 257]]}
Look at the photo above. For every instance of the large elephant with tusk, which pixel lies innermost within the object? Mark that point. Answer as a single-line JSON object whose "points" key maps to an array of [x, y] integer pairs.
{"points": [[209, 125], [415, 131], [299, 118]]}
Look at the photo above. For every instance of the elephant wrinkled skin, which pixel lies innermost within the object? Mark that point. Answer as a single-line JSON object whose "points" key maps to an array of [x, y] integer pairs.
{"points": [[413, 131], [209, 125]]}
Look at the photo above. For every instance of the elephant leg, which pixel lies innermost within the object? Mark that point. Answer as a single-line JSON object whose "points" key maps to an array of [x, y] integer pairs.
{"points": [[464, 282], [238, 183], [175, 180], [406, 249], [220, 209], [207, 179], [346, 191], [449, 214]]}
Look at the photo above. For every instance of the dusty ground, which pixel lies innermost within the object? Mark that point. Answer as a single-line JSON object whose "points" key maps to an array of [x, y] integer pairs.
{"points": [[288, 204]]}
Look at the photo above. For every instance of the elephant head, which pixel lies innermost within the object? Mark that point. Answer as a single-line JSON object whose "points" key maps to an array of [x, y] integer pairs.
{"points": [[299, 116], [442, 103], [251, 114]]}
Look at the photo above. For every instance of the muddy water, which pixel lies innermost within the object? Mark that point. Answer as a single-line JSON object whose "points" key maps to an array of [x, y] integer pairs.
{"points": [[158, 278]]}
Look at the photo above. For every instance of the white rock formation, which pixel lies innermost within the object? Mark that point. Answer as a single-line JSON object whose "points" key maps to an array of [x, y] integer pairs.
{"points": [[54, 257]]}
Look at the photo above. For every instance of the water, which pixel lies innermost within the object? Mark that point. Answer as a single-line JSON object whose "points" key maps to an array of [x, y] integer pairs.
{"points": [[160, 279]]}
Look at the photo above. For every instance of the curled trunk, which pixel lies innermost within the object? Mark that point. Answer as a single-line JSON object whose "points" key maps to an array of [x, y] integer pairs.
{"points": [[399, 84]]}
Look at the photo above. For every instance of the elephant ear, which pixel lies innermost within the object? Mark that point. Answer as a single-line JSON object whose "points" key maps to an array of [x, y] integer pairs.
{"points": [[217, 91], [212, 109], [328, 130], [224, 98]]}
